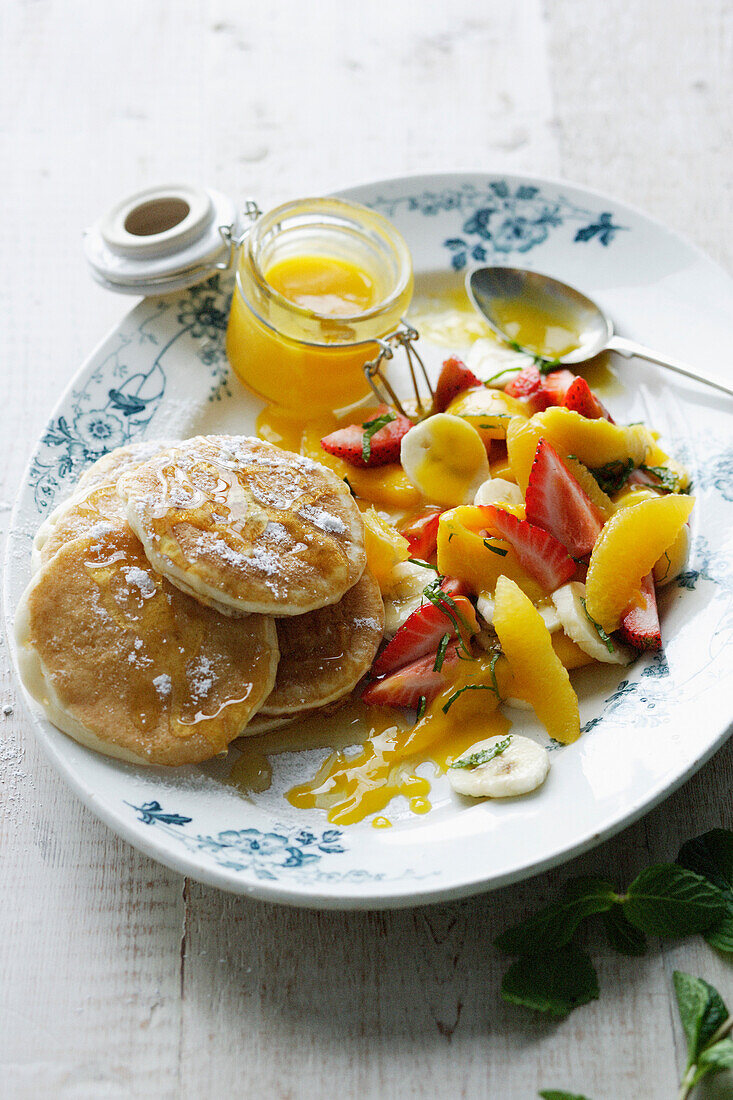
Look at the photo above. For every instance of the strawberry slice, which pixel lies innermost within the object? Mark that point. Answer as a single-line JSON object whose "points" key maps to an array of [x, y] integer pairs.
{"points": [[362, 445], [556, 385], [423, 630], [581, 399], [455, 377], [640, 625], [556, 502], [539, 552], [418, 680], [528, 386], [422, 533]]}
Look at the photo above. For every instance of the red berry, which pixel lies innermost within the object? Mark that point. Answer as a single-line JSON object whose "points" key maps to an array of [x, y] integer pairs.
{"points": [[413, 683], [455, 377], [539, 552], [383, 447], [640, 625], [422, 631], [422, 533], [556, 502]]}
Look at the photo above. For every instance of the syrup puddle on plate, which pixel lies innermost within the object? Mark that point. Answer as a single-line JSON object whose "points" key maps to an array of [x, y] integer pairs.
{"points": [[373, 757]]}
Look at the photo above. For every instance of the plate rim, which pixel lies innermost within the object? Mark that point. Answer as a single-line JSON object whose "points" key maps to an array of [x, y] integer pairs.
{"points": [[314, 895]]}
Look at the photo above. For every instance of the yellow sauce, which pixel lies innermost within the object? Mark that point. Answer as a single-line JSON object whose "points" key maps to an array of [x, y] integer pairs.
{"points": [[351, 785], [326, 285], [546, 331]]}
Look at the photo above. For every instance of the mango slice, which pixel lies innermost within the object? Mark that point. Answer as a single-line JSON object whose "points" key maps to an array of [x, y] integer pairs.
{"points": [[465, 553]]}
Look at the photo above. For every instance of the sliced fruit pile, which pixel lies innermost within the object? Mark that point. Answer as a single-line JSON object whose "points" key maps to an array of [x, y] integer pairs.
{"points": [[516, 534]]}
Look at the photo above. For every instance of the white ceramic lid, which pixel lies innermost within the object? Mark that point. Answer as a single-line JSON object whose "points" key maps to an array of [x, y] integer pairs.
{"points": [[161, 239]]}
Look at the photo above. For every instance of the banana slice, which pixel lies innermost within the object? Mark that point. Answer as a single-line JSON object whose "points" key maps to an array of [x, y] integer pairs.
{"points": [[550, 617], [499, 491], [520, 766], [576, 624], [404, 594], [445, 458]]}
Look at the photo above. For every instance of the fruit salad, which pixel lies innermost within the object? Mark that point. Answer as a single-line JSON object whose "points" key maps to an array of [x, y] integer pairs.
{"points": [[517, 533]]}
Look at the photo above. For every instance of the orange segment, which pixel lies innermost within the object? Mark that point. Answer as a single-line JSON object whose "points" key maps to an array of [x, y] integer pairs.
{"points": [[465, 553], [626, 550], [387, 486], [384, 547], [571, 655], [539, 675], [522, 438]]}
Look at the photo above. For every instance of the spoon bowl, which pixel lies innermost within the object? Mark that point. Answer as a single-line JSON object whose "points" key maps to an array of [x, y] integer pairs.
{"points": [[499, 292]]}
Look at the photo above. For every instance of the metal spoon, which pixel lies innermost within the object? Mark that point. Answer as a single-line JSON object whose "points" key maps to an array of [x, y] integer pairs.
{"points": [[489, 286]]}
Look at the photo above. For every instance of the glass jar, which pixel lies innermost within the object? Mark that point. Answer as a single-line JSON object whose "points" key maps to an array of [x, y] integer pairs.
{"points": [[299, 359]]}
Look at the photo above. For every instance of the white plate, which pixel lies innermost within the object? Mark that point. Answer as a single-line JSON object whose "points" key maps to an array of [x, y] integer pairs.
{"points": [[163, 372]]}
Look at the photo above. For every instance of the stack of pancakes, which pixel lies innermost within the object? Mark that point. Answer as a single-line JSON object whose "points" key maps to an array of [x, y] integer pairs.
{"points": [[185, 588]]}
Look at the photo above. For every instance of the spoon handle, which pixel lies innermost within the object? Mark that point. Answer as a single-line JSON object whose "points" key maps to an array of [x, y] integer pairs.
{"points": [[630, 347]]}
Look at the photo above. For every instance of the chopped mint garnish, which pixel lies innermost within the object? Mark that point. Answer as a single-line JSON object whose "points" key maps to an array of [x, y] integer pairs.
{"points": [[667, 479], [495, 549], [421, 707], [613, 475], [468, 687], [598, 629], [424, 564], [440, 655], [483, 755], [371, 427]]}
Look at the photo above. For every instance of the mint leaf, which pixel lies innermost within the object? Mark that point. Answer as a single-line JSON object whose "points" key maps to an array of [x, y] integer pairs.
{"points": [[621, 934], [483, 756], [667, 900], [558, 1094], [711, 855], [715, 1059], [555, 984], [554, 926], [701, 1009], [371, 427]]}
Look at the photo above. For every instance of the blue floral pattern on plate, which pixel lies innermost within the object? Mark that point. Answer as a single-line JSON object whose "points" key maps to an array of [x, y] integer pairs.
{"points": [[505, 220], [283, 851]]}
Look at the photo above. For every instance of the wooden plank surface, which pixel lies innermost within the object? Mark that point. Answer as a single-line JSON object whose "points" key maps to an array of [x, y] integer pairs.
{"points": [[117, 978]]}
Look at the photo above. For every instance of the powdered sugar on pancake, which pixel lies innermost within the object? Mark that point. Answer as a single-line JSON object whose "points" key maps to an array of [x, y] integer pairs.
{"points": [[245, 526]]}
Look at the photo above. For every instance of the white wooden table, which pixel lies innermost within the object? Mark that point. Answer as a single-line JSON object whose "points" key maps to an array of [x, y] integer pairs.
{"points": [[117, 977]]}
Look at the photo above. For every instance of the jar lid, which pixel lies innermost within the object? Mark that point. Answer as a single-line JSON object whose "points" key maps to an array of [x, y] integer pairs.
{"points": [[162, 239]]}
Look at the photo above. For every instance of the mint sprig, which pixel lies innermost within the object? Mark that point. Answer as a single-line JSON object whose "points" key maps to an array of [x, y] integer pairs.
{"points": [[707, 1025], [371, 427], [554, 925]]}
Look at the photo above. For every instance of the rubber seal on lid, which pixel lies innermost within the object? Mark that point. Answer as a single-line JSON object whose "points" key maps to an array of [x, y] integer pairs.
{"points": [[162, 239]]}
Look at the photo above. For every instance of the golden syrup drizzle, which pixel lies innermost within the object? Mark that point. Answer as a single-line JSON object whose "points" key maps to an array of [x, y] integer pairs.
{"points": [[351, 786]]}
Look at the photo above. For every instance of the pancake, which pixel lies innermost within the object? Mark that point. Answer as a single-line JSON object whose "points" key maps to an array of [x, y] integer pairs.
{"points": [[94, 502], [131, 667], [246, 527], [108, 468], [325, 653], [93, 511]]}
